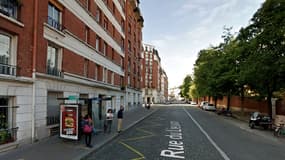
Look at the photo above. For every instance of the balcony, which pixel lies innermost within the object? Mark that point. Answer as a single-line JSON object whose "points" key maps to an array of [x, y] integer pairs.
{"points": [[54, 23], [7, 69], [8, 135], [54, 71]]}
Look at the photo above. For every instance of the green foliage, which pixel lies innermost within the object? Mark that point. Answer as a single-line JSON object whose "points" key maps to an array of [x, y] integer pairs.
{"points": [[185, 87], [255, 58]]}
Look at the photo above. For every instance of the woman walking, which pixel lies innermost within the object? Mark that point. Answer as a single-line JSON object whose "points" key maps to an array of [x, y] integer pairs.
{"points": [[109, 120], [87, 130]]}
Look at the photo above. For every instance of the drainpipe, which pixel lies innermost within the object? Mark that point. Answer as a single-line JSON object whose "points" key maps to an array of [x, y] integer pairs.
{"points": [[34, 52]]}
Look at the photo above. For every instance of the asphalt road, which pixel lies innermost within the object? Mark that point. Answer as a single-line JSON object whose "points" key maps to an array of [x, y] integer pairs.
{"points": [[179, 132]]}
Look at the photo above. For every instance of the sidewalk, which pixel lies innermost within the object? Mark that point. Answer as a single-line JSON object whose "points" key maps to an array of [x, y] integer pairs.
{"points": [[55, 148]]}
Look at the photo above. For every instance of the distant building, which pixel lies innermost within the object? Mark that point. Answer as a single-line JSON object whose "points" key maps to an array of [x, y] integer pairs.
{"points": [[154, 78]]}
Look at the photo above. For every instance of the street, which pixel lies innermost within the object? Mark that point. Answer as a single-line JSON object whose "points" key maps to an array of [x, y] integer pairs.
{"points": [[183, 132]]}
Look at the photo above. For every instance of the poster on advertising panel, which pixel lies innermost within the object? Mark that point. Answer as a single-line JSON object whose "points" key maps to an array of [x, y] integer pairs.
{"points": [[69, 121]]}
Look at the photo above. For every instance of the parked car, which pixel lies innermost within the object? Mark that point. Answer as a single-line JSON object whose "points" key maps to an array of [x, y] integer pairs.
{"points": [[203, 103], [257, 119], [193, 104], [209, 107]]}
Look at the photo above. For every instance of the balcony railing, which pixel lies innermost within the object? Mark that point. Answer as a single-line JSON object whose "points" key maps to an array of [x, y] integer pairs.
{"points": [[51, 120], [8, 135], [54, 71], [7, 69], [54, 23]]}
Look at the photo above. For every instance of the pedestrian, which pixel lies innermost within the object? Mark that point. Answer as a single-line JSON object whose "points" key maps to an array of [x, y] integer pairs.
{"points": [[120, 118], [109, 120], [88, 129]]}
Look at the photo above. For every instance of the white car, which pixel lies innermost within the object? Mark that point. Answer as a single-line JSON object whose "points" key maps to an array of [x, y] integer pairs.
{"points": [[209, 107], [203, 103], [193, 104]]}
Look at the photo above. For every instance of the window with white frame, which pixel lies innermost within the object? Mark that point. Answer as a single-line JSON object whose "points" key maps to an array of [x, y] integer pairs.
{"points": [[97, 43], [5, 49], [105, 75], [112, 78], [9, 8], [53, 60], [8, 47], [104, 48], [98, 15], [54, 16]]}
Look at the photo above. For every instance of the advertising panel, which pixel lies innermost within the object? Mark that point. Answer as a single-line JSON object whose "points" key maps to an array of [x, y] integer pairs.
{"points": [[69, 118]]}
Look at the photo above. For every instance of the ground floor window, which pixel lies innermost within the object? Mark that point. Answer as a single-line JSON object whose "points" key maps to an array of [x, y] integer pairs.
{"points": [[53, 104], [8, 131]]}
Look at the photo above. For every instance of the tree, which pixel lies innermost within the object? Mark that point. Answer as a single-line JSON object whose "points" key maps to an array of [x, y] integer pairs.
{"points": [[185, 87], [263, 64]]}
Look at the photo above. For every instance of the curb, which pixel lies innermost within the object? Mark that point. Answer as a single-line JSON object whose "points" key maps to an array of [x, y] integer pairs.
{"points": [[84, 155]]}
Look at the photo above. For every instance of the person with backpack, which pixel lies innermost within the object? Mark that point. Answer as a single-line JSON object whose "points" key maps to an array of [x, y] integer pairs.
{"points": [[87, 130]]}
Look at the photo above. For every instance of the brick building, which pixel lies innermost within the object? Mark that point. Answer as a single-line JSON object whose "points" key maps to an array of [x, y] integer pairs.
{"points": [[155, 81], [51, 50]]}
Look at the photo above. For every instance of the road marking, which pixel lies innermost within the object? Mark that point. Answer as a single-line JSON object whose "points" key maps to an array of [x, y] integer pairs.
{"points": [[150, 134], [223, 154], [134, 150]]}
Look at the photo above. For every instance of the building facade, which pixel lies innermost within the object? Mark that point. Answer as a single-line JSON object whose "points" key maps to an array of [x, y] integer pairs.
{"points": [[155, 81], [51, 50]]}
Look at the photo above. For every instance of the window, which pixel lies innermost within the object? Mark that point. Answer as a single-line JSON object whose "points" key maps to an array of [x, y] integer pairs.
{"points": [[112, 78], [105, 48], [87, 4], [7, 120], [122, 62], [52, 107], [97, 43], [105, 25], [98, 15], [7, 56], [105, 75], [122, 43], [113, 54], [123, 25], [54, 16], [87, 34], [113, 8], [85, 69], [53, 64], [9, 8], [113, 31], [96, 72]]}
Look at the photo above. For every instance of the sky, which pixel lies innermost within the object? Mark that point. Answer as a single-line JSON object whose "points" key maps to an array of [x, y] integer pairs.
{"points": [[179, 29]]}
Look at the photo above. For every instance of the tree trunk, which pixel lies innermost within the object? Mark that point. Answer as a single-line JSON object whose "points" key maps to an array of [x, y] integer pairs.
{"points": [[215, 100], [269, 104], [228, 101], [242, 101]]}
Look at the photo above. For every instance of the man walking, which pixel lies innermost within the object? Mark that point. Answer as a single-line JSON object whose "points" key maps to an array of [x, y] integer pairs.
{"points": [[120, 118]]}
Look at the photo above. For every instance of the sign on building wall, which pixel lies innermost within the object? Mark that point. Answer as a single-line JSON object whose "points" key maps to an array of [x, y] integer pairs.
{"points": [[69, 118]]}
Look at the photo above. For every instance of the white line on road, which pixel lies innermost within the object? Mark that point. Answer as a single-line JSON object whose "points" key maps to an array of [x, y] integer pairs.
{"points": [[223, 154]]}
